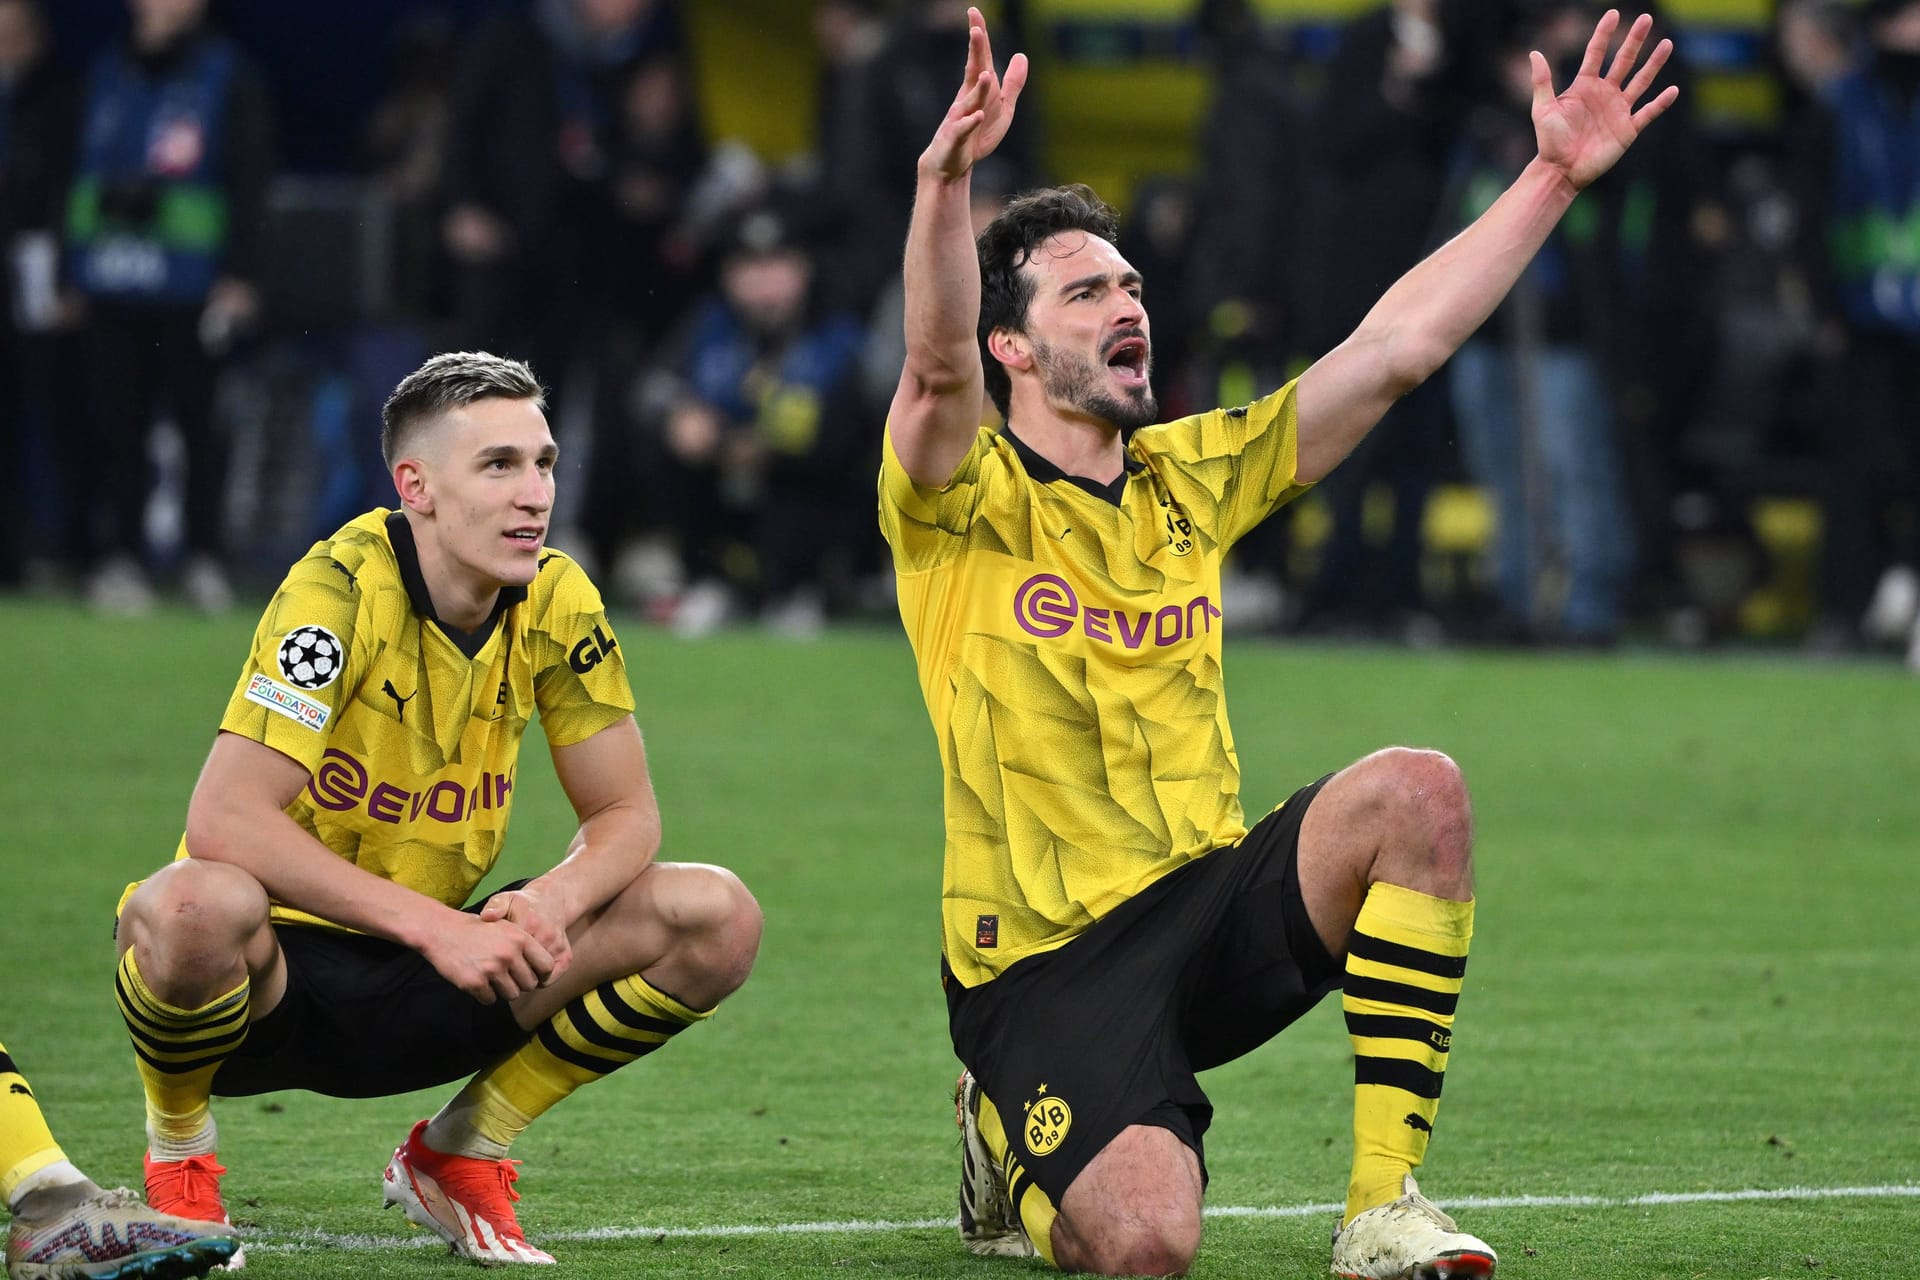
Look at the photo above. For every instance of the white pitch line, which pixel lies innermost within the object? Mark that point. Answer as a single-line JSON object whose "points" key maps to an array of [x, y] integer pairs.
{"points": [[295, 1242]]}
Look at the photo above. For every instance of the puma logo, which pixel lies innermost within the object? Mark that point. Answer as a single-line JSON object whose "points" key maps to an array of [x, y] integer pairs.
{"points": [[400, 703], [1415, 1122]]}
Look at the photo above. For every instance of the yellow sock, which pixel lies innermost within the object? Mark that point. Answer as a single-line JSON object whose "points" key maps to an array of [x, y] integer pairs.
{"points": [[616, 1023], [26, 1144], [1405, 961], [1036, 1211], [177, 1052]]}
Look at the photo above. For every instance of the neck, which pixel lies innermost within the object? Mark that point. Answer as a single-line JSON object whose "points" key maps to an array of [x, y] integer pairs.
{"points": [[1077, 444], [153, 41], [460, 598]]}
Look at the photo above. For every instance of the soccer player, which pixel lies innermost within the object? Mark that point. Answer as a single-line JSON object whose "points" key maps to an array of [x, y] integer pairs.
{"points": [[311, 933], [65, 1227], [1112, 925]]}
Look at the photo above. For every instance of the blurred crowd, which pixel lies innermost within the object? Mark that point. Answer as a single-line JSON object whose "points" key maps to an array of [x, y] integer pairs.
{"points": [[197, 341]]}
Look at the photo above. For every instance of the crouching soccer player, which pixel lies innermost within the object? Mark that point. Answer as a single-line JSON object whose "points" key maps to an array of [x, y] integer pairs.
{"points": [[314, 930]]}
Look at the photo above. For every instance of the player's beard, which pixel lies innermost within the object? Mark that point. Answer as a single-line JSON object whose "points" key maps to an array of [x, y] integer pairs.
{"points": [[1071, 378]]}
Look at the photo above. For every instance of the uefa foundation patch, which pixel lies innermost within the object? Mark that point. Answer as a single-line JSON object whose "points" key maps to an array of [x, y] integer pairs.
{"points": [[291, 703]]}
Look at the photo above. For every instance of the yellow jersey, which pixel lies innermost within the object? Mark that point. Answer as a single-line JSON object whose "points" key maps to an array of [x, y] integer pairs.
{"points": [[1067, 636], [410, 728]]}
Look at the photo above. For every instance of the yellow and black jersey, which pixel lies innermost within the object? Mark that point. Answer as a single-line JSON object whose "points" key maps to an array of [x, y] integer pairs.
{"points": [[410, 727], [1068, 641]]}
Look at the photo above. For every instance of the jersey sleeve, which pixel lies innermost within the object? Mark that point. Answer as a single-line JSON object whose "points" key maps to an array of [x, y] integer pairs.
{"points": [[579, 672], [926, 526], [1259, 444], [309, 655]]}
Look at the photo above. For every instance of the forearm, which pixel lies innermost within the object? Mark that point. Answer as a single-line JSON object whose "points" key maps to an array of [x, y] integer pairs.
{"points": [[942, 285], [299, 871], [1434, 308], [1423, 319], [607, 854]]}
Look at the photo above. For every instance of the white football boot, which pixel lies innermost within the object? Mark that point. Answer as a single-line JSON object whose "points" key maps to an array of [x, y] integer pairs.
{"points": [[1409, 1239], [989, 1223]]}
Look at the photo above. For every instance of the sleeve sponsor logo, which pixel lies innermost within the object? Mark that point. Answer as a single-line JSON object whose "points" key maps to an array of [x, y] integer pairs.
{"points": [[586, 655], [311, 657], [291, 703]]}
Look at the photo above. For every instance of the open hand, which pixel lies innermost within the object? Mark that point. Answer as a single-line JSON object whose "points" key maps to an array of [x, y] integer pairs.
{"points": [[981, 111], [1587, 128]]}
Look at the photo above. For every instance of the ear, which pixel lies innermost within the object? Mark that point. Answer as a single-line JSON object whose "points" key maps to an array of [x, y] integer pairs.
{"points": [[1011, 348], [410, 482]]}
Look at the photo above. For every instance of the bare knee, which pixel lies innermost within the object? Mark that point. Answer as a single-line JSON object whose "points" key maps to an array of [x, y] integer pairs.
{"points": [[193, 924], [1144, 1246], [1421, 801], [712, 924], [1134, 1210]]}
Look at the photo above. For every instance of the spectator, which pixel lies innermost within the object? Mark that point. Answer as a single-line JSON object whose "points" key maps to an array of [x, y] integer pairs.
{"points": [[1670, 233], [531, 212], [1242, 293], [898, 97], [1396, 97], [750, 427], [164, 246], [1536, 420], [39, 124], [1870, 159], [405, 149], [660, 249]]}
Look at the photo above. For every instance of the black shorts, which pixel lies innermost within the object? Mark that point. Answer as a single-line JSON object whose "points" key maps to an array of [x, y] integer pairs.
{"points": [[1215, 958], [365, 1018]]}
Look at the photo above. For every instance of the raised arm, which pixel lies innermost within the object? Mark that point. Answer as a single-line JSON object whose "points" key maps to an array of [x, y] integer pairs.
{"points": [[936, 408], [1428, 313]]}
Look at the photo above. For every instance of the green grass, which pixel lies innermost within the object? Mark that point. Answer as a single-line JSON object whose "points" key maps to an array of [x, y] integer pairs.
{"points": [[1693, 971]]}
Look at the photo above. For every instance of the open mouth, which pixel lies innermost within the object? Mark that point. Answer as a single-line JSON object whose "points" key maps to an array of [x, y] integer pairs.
{"points": [[1128, 358], [526, 537]]}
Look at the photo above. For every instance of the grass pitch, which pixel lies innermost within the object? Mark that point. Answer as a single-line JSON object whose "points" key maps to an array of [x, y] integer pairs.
{"points": [[1684, 1049]]}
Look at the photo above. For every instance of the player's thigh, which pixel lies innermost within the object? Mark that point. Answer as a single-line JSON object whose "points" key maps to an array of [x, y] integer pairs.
{"points": [[1265, 964], [1077, 1045], [363, 1017]]}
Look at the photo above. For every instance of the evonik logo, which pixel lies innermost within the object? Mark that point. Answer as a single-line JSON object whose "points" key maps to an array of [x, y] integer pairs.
{"points": [[1047, 606], [341, 783]]}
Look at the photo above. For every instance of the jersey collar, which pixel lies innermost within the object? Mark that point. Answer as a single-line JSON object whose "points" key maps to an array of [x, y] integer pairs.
{"points": [[1046, 472], [400, 533]]}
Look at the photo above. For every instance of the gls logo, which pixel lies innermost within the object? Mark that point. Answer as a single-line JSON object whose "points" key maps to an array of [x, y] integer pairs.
{"points": [[586, 655]]}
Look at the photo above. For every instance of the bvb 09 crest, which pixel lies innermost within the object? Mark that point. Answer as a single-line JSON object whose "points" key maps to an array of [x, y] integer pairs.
{"points": [[1179, 528], [1047, 1123]]}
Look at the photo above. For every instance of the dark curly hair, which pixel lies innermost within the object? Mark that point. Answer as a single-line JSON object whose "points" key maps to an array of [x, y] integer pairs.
{"points": [[1009, 243]]}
